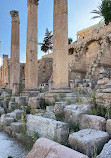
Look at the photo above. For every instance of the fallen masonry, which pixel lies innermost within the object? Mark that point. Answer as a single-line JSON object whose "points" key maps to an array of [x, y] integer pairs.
{"points": [[47, 148], [49, 128], [88, 141]]}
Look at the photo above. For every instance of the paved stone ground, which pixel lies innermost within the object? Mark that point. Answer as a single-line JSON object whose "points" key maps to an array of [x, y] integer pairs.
{"points": [[9, 147]]}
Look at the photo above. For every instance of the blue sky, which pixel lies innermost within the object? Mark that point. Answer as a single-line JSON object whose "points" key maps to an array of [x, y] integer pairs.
{"points": [[79, 17]]}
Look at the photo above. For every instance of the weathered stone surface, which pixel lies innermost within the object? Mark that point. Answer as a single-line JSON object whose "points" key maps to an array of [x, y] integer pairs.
{"points": [[103, 81], [74, 112], [15, 53], [7, 129], [45, 148], [60, 47], [48, 128], [84, 108], [16, 127], [92, 122], [3, 118], [5, 104], [88, 140], [72, 117], [108, 127], [12, 106], [34, 102], [21, 101], [1, 111], [106, 152], [50, 108], [12, 114], [5, 95], [1, 103], [59, 108], [8, 121], [50, 115], [31, 68], [18, 114]]}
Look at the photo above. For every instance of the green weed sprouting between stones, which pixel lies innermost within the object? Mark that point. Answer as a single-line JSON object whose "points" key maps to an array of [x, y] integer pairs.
{"points": [[25, 139], [101, 111], [73, 127]]}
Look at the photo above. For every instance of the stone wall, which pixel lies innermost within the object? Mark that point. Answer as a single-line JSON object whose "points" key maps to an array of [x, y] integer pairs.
{"points": [[44, 70], [91, 52]]}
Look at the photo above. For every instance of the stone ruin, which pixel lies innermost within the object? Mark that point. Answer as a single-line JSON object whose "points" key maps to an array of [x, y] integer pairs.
{"points": [[65, 97]]}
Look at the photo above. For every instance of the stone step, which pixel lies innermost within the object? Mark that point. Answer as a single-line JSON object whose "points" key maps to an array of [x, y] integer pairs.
{"points": [[88, 141], [93, 122], [49, 128]]}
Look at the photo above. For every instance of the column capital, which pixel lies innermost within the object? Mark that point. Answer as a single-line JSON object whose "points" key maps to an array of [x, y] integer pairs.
{"points": [[14, 13], [29, 2], [15, 16]]}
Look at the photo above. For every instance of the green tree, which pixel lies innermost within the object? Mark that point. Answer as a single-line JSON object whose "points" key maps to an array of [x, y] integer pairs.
{"points": [[103, 11], [70, 40], [47, 42]]}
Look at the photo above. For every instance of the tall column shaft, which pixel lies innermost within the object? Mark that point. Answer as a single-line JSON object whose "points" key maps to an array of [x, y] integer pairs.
{"points": [[31, 68], [5, 71], [15, 53], [60, 45]]}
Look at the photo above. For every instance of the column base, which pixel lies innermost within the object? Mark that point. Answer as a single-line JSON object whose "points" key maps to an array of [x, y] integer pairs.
{"points": [[58, 97], [15, 89], [30, 93], [60, 89]]}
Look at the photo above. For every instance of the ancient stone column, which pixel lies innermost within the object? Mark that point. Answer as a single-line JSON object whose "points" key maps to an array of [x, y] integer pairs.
{"points": [[15, 54], [60, 45], [31, 68], [5, 71]]}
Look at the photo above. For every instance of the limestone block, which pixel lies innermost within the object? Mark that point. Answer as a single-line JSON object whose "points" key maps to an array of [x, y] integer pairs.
{"points": [[49, 128], [92, 122], [12, 114], [59, 108], [73, 112], [88, 141], [34, 102], [5, 95], [45, 148], [106, 152], [8, 121], [1, 111], [50, 108], [18, 114], [108, 127], [7, 129], [72, 117], [21, 101], [3, 117], [50, 115], [85, 108], [16, 127]]}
